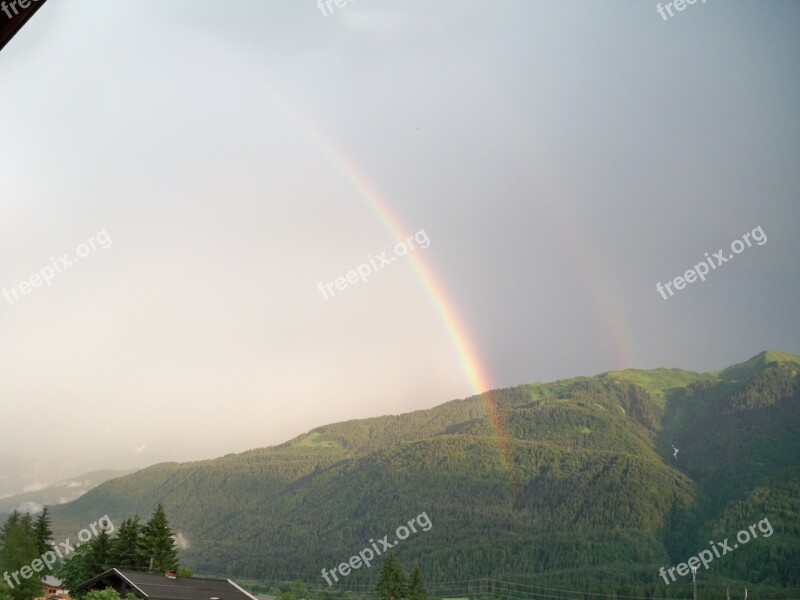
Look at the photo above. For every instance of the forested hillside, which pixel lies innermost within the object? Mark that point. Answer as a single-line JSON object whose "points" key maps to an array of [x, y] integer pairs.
{"points": [[580, 488]]}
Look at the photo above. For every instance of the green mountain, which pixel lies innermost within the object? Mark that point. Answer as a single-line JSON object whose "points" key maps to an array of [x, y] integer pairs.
{"points": [[567, 485]]}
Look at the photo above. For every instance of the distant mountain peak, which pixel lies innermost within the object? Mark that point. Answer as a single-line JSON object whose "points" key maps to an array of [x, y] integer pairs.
{"points": [[745, 370]]}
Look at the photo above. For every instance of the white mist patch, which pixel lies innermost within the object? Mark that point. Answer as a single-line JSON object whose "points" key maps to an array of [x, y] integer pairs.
{"points": [[34, 487], [29, 506], [181, 541], [73, 484]]}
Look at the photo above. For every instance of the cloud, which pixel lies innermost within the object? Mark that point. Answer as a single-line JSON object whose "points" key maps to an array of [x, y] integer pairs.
{"points": [[181, 541], [29, 506], [139, 449], [35, 487], [73, 484]]}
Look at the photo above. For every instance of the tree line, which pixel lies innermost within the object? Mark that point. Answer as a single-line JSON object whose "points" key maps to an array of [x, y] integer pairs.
{"points": [[136, 546]]}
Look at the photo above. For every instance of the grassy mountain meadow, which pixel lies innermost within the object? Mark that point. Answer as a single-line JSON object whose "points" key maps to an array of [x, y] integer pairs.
{"points": [[587, 495]]}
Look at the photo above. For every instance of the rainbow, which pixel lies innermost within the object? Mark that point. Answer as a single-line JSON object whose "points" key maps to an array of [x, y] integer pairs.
{"points": [[609, 313], [459, 337]]}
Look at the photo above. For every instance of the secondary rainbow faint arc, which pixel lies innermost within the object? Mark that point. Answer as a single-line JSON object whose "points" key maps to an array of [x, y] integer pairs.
{"points": [[459, 336]]}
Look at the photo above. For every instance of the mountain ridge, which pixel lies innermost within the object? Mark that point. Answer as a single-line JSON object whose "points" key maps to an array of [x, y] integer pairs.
{"points": [[591, 477]]}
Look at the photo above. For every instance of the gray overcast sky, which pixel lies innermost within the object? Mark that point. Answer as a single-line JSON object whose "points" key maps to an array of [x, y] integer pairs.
{"points": [[561, 157]]}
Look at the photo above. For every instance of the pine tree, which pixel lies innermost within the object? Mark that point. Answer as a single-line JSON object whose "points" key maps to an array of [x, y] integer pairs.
{"points": [[392, 582], [98, 553], [126, 548], [416, 588], [11, 523], [44, 534], [158, 543], [18, 549]]}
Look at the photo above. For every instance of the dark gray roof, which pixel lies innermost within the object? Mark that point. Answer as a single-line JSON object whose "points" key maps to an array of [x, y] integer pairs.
{"points": [[154, 586]]}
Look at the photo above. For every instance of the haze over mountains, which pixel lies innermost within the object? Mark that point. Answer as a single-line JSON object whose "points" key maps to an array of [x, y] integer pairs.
{"points": [[60, 492], [582, 489]]}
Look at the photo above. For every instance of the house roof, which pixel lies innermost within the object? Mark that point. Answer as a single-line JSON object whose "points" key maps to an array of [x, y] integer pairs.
{"points": [[154, 586]]}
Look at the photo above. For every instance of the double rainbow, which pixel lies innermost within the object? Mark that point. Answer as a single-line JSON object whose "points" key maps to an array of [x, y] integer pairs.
{"points": [[459, 336]]}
